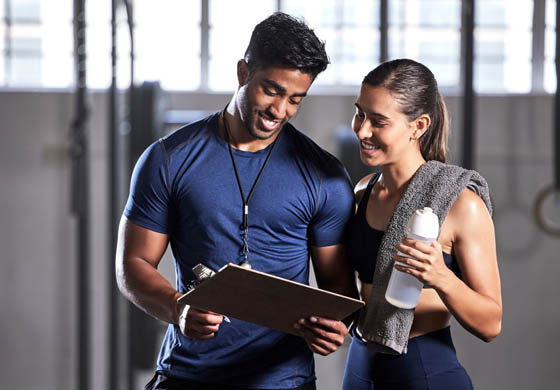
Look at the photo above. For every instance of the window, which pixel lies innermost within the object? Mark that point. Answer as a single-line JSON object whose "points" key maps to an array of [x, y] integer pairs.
{"points": [[503, 42], [430, 32], [98, 44], [36, 42], [351, 31], [167, 43], [229, 37], [195, 44]]}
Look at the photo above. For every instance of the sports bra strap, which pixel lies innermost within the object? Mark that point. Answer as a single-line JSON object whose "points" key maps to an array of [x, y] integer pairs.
{"points": [[367, 193]]}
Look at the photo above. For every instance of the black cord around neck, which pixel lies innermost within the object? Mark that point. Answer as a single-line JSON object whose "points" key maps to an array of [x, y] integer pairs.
{"points": [[245, 251]]}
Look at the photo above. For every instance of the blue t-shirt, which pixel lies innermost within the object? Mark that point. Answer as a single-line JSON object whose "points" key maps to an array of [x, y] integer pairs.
{"points": [[184, 185]]}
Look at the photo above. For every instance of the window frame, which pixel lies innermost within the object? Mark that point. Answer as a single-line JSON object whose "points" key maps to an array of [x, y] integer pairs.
{"points": [[537, 60]]}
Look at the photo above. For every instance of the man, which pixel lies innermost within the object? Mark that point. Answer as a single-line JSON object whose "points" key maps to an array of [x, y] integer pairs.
{"points": [[193, 189]]}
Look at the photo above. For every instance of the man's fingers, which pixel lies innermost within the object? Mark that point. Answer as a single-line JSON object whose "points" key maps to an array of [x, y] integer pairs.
{"points": [[199, 324], [205, 317], [193, 334], [205, 323], [327, 323], [319, 345], [323, 335], [196, 331], [324, 327], [320, 349], [205, 329], [319, 333]]}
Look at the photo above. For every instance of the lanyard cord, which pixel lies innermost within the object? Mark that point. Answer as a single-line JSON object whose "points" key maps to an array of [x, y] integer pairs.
{"points": [[245, 233]]}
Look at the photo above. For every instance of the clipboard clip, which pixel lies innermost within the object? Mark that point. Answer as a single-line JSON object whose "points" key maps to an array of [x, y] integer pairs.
{"points": [[202, 273]]}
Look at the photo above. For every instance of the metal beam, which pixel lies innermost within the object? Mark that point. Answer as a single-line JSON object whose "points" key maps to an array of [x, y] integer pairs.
{"points": [[204, 44], [384, 30], [556, 150], [468, 13], [537, 57], [80, 194], [117, 353], [8, 41]]}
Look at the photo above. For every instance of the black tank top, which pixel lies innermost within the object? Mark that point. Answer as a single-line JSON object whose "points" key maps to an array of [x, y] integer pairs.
{"points": [[364, 241]]}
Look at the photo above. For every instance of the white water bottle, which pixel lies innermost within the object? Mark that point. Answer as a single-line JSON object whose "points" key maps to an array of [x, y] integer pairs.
{"points": [[404, 289]]}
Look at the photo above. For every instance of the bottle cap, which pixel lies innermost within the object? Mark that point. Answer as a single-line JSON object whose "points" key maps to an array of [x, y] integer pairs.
{"points": [[424, 223]]}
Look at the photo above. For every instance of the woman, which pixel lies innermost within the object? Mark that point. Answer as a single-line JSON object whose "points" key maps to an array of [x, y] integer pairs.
{"points": [[401, 123]]}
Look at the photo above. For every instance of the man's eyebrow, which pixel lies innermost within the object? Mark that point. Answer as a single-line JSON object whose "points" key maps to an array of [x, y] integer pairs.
{"points": [[381, 116], [281, 89]]}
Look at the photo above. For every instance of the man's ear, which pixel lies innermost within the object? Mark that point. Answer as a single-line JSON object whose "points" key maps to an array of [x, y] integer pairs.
{"points": [[420, 126], [242, 72]]}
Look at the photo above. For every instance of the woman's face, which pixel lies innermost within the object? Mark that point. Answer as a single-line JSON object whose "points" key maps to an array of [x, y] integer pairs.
{"points": [[383, 130]]}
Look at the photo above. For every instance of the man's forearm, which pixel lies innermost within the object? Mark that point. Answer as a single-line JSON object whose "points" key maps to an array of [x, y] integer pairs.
{"points": [[144, 286]]}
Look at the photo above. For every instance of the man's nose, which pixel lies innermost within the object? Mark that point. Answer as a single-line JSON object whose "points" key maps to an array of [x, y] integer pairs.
{"points": [[278, 107]]}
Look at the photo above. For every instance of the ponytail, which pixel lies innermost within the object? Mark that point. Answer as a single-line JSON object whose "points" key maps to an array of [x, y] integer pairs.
{"points": [[433, 143]]}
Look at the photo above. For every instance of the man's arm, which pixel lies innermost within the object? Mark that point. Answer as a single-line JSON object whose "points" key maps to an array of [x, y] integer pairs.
{"points": [[333, 273], [332, 270], [139, 251]]}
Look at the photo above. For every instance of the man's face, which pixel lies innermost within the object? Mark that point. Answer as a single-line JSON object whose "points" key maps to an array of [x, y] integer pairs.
{"points": [[270, 98]]}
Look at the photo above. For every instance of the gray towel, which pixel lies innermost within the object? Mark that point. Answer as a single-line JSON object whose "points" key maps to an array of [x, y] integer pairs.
{"points": [[435, 185]]}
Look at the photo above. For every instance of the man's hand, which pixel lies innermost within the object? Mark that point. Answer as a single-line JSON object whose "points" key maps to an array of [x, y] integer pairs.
{"points": [[199, 324], [323, 335]]}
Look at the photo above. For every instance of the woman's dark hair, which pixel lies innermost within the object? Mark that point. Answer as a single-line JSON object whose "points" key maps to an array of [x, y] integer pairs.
{"points": [[415, 88], [284, 41]]}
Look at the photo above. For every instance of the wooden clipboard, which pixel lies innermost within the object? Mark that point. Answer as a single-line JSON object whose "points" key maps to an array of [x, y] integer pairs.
{"points": [[266, 300]]}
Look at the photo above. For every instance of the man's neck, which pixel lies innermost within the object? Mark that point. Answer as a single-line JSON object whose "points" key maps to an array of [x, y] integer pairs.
{"points": [[237, 134]]}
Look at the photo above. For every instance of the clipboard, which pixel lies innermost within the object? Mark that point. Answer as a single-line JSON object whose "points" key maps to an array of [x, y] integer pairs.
{"points": [[266, 300]]}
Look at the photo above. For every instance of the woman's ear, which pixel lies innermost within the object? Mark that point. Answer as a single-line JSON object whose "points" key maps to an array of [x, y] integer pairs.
{"points": [[242, 72], [420, 126]]}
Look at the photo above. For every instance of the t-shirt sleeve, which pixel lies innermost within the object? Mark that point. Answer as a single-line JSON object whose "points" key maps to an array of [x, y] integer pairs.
{"points": [[148, 201], [335, 208]]}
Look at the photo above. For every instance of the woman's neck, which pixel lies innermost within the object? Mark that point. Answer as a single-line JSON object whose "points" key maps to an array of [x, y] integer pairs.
{"points": [[395, 177]]}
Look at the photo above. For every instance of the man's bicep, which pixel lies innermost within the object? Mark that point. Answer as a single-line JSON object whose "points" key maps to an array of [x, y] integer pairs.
{"points": [[137, 242], [329, 224], [149, 198]]}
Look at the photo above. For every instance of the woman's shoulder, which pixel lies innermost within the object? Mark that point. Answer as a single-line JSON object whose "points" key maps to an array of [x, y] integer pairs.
{"points": [[469, 211], [468, 188], [469, 203]]}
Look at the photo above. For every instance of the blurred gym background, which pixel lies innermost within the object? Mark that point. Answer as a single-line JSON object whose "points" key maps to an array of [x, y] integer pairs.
{"points": [[85, 86]]}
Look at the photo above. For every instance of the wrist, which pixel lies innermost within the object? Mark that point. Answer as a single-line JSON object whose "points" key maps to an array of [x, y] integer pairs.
{"points": [[446, 283], [176, 308]]}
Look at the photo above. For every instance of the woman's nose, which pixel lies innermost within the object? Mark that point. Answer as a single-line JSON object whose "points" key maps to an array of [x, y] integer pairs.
{"points": [[363, 129]]}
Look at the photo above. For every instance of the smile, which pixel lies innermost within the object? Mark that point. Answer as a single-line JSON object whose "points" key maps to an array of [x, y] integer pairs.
{"points": [[268, 124], [367, 146]]}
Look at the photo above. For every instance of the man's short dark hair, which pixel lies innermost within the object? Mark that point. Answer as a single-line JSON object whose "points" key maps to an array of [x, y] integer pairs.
{"points": [[284, 41]]}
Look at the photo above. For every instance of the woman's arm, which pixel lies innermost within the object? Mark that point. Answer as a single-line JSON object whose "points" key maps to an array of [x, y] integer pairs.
{"points": [[475, 301]]}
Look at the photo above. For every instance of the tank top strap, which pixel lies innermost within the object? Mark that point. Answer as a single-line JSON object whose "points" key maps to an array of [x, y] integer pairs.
{"points": [[363, 202]]}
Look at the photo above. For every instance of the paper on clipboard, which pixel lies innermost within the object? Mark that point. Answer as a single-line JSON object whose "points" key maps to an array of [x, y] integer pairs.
{"points": [[266, 300]]}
